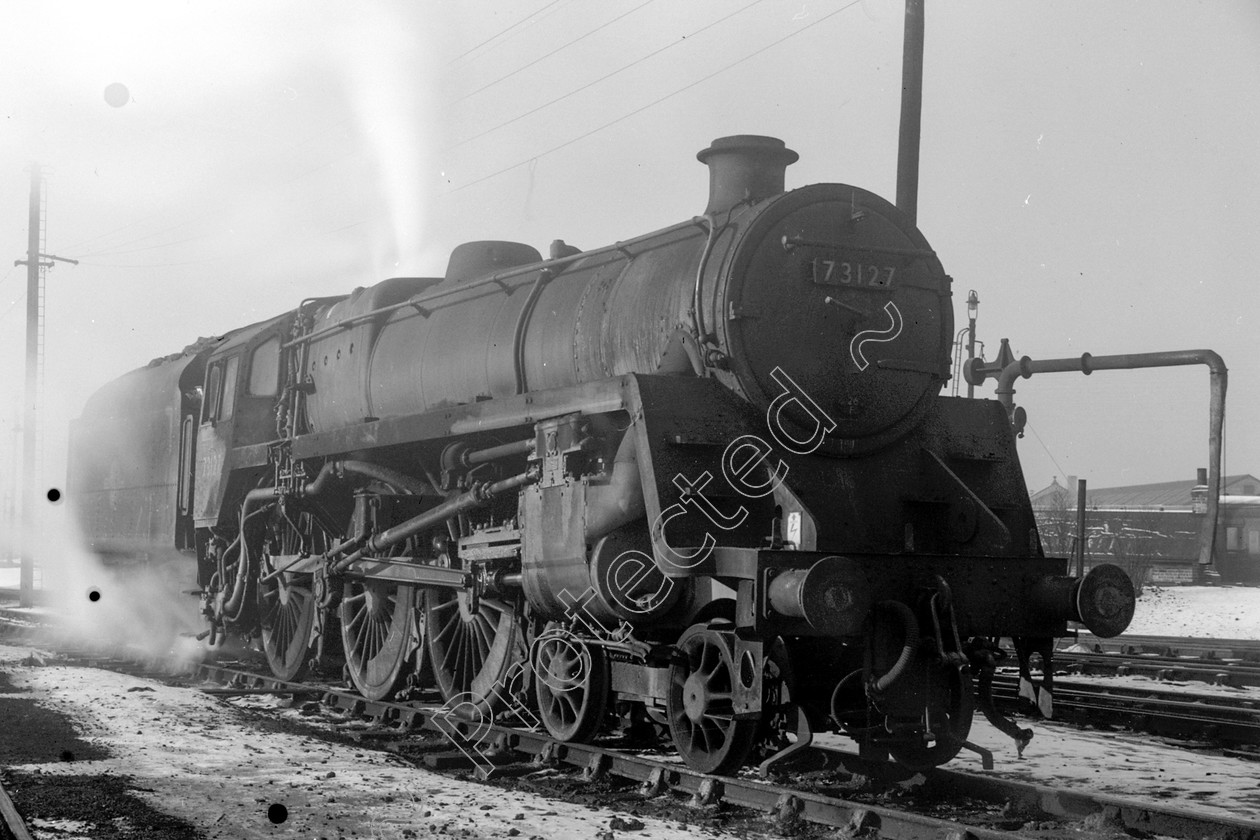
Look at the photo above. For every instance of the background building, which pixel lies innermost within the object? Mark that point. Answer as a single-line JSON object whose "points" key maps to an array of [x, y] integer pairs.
{"points": [[1152, 530]]}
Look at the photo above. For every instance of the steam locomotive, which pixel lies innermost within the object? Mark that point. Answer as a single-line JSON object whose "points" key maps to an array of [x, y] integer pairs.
{"points": [[701, 480]]}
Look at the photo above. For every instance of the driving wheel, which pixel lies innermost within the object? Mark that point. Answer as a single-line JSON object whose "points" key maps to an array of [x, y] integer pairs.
{"points": [[286, 600], [378, 634], [473, 646]]}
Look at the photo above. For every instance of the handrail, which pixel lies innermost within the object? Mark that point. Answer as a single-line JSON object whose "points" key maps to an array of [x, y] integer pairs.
{"points": [[419, 301]]}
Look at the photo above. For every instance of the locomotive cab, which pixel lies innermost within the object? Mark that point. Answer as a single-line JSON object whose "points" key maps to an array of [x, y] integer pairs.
{"points": [[237, 414]]}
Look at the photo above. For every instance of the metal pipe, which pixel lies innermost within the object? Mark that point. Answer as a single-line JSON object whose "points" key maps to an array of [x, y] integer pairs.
{"points": [[1087, 364], [697, 312], [522, 322], [232, 608], [1080, 527], [464, 502], [365, 468], [529, 413], [910, 631], [389, 476], [494, 453], [911, 111]]}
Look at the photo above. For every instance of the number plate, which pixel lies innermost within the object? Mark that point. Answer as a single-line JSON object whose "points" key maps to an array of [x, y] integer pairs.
{"points": [[851, 273]]}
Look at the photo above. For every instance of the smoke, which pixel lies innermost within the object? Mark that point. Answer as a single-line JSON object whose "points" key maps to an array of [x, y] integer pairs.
{"points": [[133, 601], [317, 118], [388, 87], [110, 587]]}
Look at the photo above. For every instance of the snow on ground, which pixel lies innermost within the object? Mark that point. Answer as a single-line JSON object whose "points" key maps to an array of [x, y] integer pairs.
{"points": [[1213, 612], [205, 763], [1127, 765]]}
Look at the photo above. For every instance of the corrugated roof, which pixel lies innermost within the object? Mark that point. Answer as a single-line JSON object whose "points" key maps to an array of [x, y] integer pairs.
{"points": [[1162, 494]]}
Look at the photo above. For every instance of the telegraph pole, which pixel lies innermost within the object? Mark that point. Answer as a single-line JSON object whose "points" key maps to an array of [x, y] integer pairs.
{"points": [[911, 111], [27, 580], [28, 494]]}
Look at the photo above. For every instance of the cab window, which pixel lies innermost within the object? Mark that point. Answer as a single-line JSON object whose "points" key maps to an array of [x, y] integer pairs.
{"points": [[214, 390], [228, 403], [264, 369], [220, 398]]}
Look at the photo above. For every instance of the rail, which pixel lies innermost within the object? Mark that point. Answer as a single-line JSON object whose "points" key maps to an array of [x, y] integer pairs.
{"points": [[656, 776]]}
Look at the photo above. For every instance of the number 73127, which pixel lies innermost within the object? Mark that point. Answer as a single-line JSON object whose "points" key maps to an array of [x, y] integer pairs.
{"points": [[855, 274]]}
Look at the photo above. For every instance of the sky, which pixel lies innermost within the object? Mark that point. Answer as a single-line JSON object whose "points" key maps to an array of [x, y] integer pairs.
{"points": [[1088, 168]]}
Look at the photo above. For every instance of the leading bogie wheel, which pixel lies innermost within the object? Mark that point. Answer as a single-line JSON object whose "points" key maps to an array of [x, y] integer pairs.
{"points": [[700, 706], [571, 683]]}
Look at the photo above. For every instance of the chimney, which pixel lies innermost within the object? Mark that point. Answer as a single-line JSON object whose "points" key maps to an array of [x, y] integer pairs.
{"points": [[745, 167], [1198, 493]]}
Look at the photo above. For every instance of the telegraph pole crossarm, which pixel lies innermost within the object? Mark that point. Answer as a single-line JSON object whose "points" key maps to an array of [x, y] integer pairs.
{"points": [[49, 257]]}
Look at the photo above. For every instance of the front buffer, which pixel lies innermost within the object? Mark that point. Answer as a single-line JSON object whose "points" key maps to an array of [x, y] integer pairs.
{"points": [[886, 648]]}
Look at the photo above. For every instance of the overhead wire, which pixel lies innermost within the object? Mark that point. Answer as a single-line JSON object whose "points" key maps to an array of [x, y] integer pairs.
{"points": [[605, 77], [546, 56], [502, 32], [654, 102], [1029, 427]]}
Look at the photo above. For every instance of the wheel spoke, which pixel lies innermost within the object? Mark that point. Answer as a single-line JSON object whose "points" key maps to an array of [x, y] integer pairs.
{"points": [[483, 636], [287, 616], [376, 645], [703, 685], [572, 687], [444, 606]]}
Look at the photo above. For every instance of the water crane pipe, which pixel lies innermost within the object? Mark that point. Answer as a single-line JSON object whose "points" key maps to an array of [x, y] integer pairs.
{"points": [[1087, 364]]}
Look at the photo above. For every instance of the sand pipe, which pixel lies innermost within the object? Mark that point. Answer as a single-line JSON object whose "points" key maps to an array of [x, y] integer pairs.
{"points": [[1087, 364]]}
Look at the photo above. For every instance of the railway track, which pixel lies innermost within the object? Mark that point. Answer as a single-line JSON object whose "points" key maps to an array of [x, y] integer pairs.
{"points": [[1231, 662], [488, 749], [1171, 646], [1221, 719], [996, 808]]}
